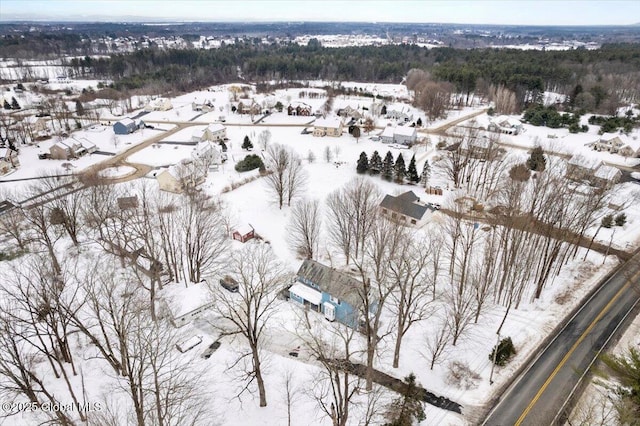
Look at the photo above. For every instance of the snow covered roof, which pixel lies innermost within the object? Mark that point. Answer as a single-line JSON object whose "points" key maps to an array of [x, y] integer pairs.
{"points": [[506, 121], [607, 172], [127, 122], [307, 293], [183, 300], [591, 163], [330, 122], [387, 132], [405, 131], [244, 229], [215, 127]]}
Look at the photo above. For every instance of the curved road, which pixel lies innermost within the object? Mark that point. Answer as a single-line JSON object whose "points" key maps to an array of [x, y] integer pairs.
{"points": [[539, 396]]}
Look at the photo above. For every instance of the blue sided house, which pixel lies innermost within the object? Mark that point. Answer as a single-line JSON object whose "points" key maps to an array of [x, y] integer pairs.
{"points": [[328, 291]]}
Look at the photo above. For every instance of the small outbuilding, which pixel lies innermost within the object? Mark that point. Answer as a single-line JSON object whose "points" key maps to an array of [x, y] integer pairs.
{"points": [[243, 233]]}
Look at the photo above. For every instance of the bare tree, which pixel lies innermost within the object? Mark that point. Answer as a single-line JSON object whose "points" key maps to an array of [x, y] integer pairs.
{"points": [[296, 179], [278, 163], [436, 343], [351, 213], [410, 301], [335, 388], [303, 232], [260, 276], [264, 138], [504, 100]]}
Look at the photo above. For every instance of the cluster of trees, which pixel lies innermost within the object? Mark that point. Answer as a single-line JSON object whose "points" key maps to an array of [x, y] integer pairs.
{"points": [[98, 301], [592, 80], [391, 170], [615, 122], [540, 115], [250, 162], [13, 105]]}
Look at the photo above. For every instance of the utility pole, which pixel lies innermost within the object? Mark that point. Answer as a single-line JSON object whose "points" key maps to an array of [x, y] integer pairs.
{"points": [[495, 356]]}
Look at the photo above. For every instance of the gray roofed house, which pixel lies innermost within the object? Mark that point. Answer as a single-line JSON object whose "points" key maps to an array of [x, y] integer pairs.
{"points": [[329, 291], [407, 209]]}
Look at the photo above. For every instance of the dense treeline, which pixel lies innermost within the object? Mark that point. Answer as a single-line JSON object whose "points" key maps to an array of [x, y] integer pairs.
{"points": [[519, 70]]}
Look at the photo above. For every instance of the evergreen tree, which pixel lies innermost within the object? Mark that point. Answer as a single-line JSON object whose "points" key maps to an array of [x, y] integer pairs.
{"points": [[7, 105], [363, 163], [607, 221], [412, 172], [79, 108], [419, 122], [626, 369], [536, 160], [356, 133], [375, 165], [621, 219], [247, 145], [383, 110], [406, 409], [400, 169], [387, 167], [505, 350], [14, 103], [426, 174]]}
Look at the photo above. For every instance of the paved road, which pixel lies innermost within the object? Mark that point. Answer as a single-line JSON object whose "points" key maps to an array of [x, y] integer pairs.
{"points": [[539, 395]]}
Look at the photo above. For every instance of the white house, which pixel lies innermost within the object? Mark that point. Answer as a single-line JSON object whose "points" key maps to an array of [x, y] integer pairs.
{"points": [[399, 115], [187, 174], [506, 125], [158, 104], [606, 176], [182, 304], [405, 135], [207, 154], [327, 127], [214, 132], [618, 144], [580, 167]]}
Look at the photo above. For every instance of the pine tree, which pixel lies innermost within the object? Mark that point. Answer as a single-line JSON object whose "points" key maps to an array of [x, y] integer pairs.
{"points": [[412, 172], [387, 167], [375, 164], [14, 103], [356, 133], [406, 409], [247, 145], [536, 160], [6, 105], [419, 122], [426, 174], [79, 109], [400, 170], [363, 163]]}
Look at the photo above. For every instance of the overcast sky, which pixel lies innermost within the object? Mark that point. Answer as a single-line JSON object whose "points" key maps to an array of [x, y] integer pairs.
{"points": [[511, 12]]}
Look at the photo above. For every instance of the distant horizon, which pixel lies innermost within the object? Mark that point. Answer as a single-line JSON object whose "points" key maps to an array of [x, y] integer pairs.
{"points": [[543, 13]]}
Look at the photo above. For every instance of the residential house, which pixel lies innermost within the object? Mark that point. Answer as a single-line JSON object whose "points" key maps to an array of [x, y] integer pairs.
{"points": [[207, 154], [66, 149], [10, 156], [399, 115], [184, 304], [185, 175], [214, 132], [299, 108], [618, 144], [387, 134], [580, 167], [406, 209], [376, 107], [243, 233], [204, 107], [350, 112], [482, 148], [606, 176], [405, 135], [505, 125], [327, 127], [125, 126], [328, 291], [158, 104]]}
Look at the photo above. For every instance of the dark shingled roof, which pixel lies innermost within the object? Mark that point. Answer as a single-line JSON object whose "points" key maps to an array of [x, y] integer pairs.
{"points": [[406, 204], [336, 283]]}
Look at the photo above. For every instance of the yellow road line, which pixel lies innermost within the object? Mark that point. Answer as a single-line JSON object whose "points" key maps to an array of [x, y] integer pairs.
{"points": [[573, 348]]}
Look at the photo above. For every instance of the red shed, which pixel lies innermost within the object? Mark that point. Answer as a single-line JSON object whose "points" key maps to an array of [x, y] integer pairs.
{"points": [[243, 233]]}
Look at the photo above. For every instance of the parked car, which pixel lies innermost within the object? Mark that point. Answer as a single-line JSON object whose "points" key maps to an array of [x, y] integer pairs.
{"points": [[211, 349], [189, 343], [228, 283]]}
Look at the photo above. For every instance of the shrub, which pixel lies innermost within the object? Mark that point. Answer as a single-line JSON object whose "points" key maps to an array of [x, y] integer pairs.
{"points": [[505, 351], [250, 162], [621, 219], [607, 221], [461, 376]]}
